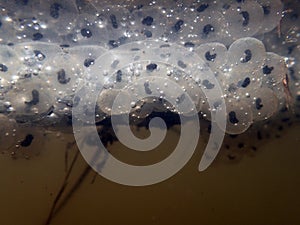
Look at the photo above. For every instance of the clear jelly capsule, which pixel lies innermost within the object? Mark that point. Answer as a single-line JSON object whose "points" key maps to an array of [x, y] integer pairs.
{"points": [[86, 55], [33, 26], [202, 6], [209, 107], [147, 22], [128, 63], [63, 73], [246, 54], [14, 7], [88, 30], [87, 6], [116, 20], [239, 116], [214, 54], [60, 15], [35, 54], [264, 103], [242, 17], [241, 83], [207, 26], [177, 25], [272, 14], [34, 101], [274, 71], [101, 4]]}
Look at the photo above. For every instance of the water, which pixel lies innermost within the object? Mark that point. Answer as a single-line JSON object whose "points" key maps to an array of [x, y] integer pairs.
{"points": [[260, 189], [254, 179]]}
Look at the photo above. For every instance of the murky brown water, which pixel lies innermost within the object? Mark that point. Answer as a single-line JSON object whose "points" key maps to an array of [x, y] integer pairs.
{"points": [[263, 189]]}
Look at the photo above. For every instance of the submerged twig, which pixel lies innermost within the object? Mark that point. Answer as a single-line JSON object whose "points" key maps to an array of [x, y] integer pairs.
{"points": [[63, 200], [73, 189], [69, 146], [94, 177], [61, 190]]}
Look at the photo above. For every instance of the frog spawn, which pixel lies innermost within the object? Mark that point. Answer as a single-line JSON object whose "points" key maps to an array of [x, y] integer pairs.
{"points": [[131, 56], [141, 15], [243, 69], [76, 23], [245, 74]]}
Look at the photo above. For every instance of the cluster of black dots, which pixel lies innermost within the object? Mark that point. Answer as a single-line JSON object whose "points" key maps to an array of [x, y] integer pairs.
{"points": [[49, 48], [45, 77], [191, 22]]}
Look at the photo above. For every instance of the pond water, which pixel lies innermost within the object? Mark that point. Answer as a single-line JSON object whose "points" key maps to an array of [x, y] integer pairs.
{"points": [[45, 177]]}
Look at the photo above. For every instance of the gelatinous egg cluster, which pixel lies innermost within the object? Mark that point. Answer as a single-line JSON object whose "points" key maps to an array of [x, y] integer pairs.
{"points": [[110, 25], [251, 78], [50, 48]]}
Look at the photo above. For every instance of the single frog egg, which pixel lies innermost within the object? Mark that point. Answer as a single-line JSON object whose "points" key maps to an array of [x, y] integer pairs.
{"points": [[34, 101], [31, 26], [240, 83], [86, 55], [35, 54], [147, 22], [274, 72], [239, 116], [264, 103], [60, 15], [207, 26], [63, 73], [214, 54], [242, 17], [246, 54], [87, 30], [272, 14], [116, 20]]}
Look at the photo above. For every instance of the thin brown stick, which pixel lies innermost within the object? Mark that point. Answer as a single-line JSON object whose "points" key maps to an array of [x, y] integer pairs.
{"points": [[61, 190], [73, 189], [94, 177]]}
